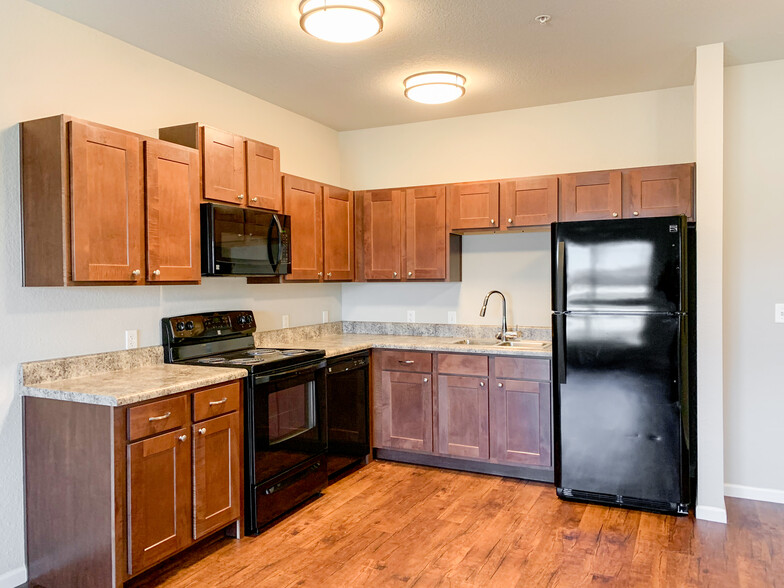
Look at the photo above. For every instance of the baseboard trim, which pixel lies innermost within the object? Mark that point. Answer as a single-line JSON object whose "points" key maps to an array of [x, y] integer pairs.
{"points": [[752, 493], [711, 513], [13, 578]]}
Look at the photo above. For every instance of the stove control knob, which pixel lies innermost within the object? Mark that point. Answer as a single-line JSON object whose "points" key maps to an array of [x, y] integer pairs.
{"points": [[189, 325], [181, 326]]}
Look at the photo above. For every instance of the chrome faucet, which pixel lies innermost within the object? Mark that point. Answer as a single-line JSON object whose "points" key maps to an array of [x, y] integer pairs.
{"points": [[504, 334]]}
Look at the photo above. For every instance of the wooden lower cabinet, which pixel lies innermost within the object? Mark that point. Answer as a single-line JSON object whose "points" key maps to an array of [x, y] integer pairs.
{"points": [[143, 482], [406, 411], [520, 422], [462, 417]]}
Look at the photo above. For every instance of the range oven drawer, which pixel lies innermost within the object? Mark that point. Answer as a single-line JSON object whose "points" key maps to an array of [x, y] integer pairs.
{"points": [[280, 494]]}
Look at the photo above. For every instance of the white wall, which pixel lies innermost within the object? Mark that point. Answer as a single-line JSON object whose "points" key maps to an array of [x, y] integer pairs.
{"points": [[51, 65], [649, 128], [754, 281]]}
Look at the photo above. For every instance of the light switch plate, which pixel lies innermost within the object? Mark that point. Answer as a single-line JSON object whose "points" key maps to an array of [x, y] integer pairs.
{"points": [[285, 321], [132, 339], [411, 316], [451, 317], [780, 313]]}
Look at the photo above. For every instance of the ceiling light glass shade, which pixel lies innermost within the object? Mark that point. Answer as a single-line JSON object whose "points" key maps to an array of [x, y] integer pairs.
{"points": [[341, 21], [434, 87]]}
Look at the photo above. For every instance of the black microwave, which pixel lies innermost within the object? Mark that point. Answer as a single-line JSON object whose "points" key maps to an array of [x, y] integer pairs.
{"points": [[244, 242]]}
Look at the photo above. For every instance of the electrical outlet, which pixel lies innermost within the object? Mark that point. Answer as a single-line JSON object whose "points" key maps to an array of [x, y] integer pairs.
{"points": [[451, 317], [411, 316], [780, 313], [285, 321], [132, 339], [324, 316]]}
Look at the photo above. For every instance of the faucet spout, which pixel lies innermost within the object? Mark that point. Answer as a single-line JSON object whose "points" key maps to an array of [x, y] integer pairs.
{"points": [[502, 334]]}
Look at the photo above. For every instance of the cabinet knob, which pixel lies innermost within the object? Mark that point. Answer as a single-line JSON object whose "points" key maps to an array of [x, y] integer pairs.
{"points": [[240, 196], [615, 214], [202, 431], [136, 273], [254, 199], [635, 213], [329, 274], [156, 272], [500, 385], [320, 274], [394, 274], [410, 274], [425, 380], [509, 220], [183, 438], [492, 221], [481, 384]]}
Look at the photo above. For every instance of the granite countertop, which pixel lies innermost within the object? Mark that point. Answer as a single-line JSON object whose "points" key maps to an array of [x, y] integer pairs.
{"points": [[340, 344]]}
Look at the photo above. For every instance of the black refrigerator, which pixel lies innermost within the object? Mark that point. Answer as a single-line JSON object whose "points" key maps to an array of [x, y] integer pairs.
{"points": [[623, 349]]}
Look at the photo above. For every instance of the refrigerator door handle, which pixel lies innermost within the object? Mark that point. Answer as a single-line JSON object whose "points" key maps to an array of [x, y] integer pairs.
{"points": [[560, 345], [560, 278]]}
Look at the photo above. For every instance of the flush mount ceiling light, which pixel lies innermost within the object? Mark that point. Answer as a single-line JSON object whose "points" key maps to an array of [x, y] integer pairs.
{"points": [[434, 87], [341, 21]]}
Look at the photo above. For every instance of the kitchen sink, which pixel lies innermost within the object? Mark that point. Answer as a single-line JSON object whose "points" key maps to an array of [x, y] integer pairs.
{"points": [[532, 345], [482, 342]]}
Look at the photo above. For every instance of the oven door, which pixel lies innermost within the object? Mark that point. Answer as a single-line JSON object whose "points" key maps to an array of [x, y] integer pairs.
{"points": [[288, 420]]}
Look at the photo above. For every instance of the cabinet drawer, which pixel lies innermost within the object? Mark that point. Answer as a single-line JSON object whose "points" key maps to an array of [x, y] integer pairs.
{"points": [[522, 368], [157, 417], [406, 361], [216, 401], [463, 365]]}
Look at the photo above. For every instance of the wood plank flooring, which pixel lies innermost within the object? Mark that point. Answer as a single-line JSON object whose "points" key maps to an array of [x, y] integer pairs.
{"points": [[392, 524]]}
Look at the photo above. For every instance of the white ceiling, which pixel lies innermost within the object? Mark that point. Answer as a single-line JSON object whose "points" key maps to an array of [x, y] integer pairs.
{"points": [[591, 48]]}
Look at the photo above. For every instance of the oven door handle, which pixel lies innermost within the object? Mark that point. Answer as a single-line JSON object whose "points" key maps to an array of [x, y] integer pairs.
{"points": [[275, 376]]}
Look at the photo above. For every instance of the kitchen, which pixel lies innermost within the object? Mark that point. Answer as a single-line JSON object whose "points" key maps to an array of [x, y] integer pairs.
{"points": [[99, 78]]}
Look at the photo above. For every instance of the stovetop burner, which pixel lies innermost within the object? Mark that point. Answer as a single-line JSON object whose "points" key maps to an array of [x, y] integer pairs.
{"points": [[212, 360], [291, 352], [262, 351]]}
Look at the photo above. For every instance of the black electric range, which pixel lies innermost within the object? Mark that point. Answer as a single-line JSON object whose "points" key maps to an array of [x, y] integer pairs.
{"points": [[285, 407]]}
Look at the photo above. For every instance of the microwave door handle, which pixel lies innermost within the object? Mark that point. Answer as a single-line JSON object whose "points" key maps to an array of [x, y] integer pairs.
{"points": [[280, 241]]}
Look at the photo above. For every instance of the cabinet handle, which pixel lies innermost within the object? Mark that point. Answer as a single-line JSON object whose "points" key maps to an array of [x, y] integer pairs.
{"points": [[160, 418], [635, 213], [156, 272], [136, 273], [425, 380], [406, 362], [217, 402], [615, 214], [183, 438], [202, 431], [254, 199], [240, 196], [481, 384], [492, 221], [500, 385]]}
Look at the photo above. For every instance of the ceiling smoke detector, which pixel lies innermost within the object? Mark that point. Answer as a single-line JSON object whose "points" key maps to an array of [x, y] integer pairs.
{"points": [[543, 18], [341, 21]]}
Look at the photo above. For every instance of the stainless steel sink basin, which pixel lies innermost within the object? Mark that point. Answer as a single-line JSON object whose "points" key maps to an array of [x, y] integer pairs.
{"points": [[532, 345], [482, 342]]}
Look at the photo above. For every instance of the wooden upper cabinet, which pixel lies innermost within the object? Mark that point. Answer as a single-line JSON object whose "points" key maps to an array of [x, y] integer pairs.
{"points": [[663, 190], [107, 207], [223, 166], [159, 498], [382, 234], [216, 473], [474, 206], [404, 411], [264, 188], [172, 220], [462, 417], [338, 234], [426, 233], [529, 202], [591, 196], [302, 201]]}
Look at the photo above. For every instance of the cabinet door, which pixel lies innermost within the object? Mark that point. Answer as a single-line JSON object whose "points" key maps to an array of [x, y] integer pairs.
{"points": [[529, 202], [382, 234], [591, 196], [426, 233], [302, 201], [338, 234], [474, 206], [665, 190], [462, 417], [107, 232], [223, 166], [520, 422], [216, 474], [159, 498], [172, 190], [264, 187], [405, 411]]}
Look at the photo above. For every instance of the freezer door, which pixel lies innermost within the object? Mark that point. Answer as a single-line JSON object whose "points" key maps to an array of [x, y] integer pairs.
{"points": [[620, 266], [617, 406]]}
